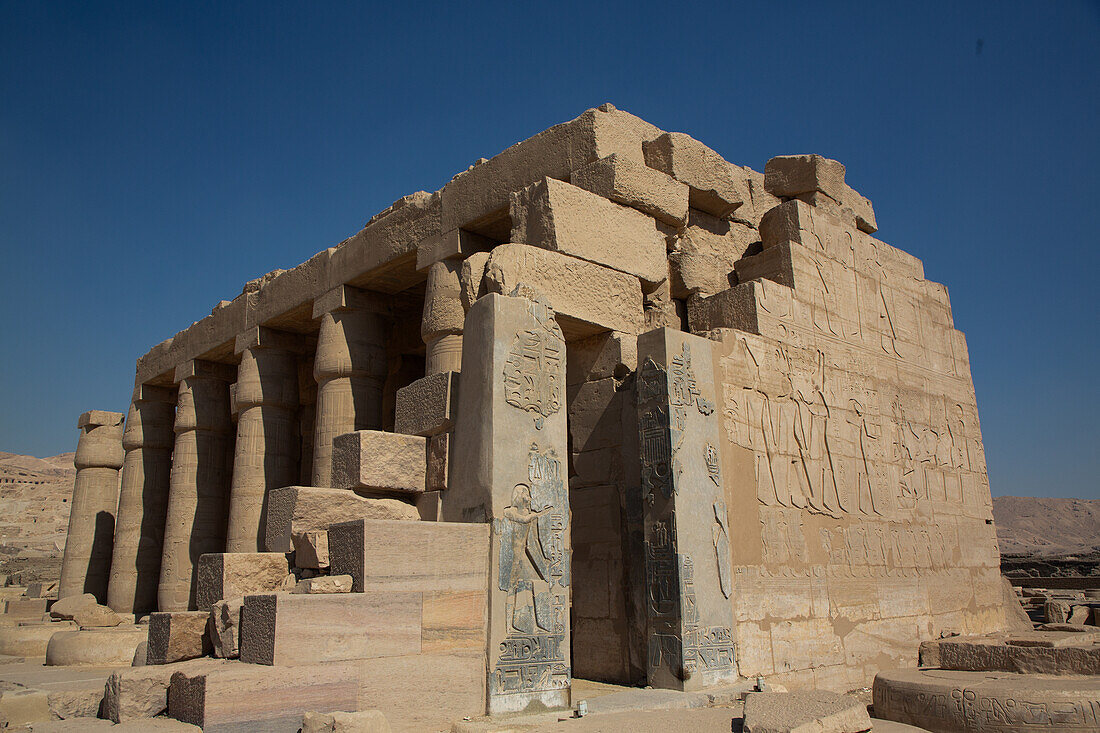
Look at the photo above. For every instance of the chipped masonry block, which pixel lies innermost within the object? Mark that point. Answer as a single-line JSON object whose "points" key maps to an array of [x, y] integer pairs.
{"points": [[364, 721], [430, 506], [294, 629], [177, 635], [236, 574], [587, 298], [439, 463], [94, 647], [471, 278], [704, 253], [139, 693], [376, 461], [636, 185], [236, 696], [1061, 654], [477, 198], [714, 188], [303, 508], [324, 584], [224, 627], [564, 218], [759, 202], [382, 555], [310, 549], [819, 711], [427, 406], [803, 176], [455, 244]]}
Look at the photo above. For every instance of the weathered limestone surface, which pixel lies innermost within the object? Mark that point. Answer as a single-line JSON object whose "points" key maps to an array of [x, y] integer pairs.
{"points": [[511, 416], [139, 693], [85, 567], [997, 702], [630, 183], [807, 711], [1040, 652], [714, 187], [175, 636], [298, 509], [267, 450], [224, 628], [102, 647], [563, 218], [30, 641], [589, 298], [376, 462], [84, 610], [234, 575], [201, 469], [143, 500], [819, 181], [428, 406]]}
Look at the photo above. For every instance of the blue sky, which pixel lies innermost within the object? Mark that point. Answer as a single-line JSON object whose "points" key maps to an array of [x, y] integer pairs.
{"points": [[155, 156]]}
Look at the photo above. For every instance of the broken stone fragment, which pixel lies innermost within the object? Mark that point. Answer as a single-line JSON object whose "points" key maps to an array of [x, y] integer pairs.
{"points": [[311, 549], [364, 721], [713, 186], [807, 711], [325, 584], [178, 635], [296, 509]]}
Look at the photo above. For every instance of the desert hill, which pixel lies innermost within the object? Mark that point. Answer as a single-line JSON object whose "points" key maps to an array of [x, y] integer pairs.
{"points": [[1047, 527], [34, 493]]}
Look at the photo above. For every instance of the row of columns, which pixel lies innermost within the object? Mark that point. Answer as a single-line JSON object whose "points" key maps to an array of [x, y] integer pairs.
{"points": [[195, 483]]}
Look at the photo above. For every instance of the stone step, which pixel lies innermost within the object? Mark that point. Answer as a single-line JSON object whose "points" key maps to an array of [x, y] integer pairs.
{"points": [[1035, 652]]}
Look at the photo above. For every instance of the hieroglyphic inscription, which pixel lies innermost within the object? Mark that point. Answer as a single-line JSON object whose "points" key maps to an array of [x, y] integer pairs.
{"points": [[532, 371], [968, 709], [722, 548], [656, 433], [534, 574]]}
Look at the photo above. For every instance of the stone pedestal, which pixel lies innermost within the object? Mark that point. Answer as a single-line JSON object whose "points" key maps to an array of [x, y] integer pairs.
{"points": [[87, 560], [267, 448], [689, 616], [512, 426], [143, 500], [350, 370], [201, 465], [442, 323]]}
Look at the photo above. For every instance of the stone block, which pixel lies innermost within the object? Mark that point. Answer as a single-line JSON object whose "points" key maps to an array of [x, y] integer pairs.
{"points": [[383, 555], [96, 647], [458, 688], [455, 244], [178, 635], [375, 461], [1048, 653], [30, 608], [820, 182], [236, 574], [806, 711], [563, 218], [713, 186], [83, 700], [430, 505], [310, 549], [427, 406], [604, 355], [471, 278], [85, 611], [30, 641], [324, 584], [595, 415], [704, 253], [638, 186], [297, 509], [1079, 615], [224, 628], [439, 465], [241, 697], [22, 707], [364, 721], [587, 298], [142, 692], [296, 629], [1058, 611]]}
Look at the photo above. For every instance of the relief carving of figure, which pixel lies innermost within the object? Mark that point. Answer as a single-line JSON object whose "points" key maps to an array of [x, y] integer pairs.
{"points": [[524, 566], [816, 477]]}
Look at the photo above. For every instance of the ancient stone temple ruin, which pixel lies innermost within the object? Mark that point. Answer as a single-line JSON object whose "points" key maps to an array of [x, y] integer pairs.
{"points": [[605, 406]]}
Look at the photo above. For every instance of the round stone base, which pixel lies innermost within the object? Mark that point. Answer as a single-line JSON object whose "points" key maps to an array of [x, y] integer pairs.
{"points": [[30, 641], [95, 647], [946, 701]]}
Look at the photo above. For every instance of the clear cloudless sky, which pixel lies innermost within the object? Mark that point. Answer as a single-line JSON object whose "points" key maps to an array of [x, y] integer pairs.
{"points": [[154, 156]]}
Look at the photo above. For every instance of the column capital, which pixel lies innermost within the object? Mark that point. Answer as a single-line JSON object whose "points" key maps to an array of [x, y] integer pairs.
{"points": [[96, 418]]}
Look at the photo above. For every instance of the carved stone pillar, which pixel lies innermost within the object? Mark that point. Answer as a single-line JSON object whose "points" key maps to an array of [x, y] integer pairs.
{"points": [[199, 484], [444, 316], [267, 447], [86, 564], [689, 616], [143, 500], [350, 369], [512, 428]]}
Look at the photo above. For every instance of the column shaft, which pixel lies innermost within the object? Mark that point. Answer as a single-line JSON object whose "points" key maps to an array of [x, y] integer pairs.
{"points": [[143, 500], [443, 319], [86, 564], [201, 465]]}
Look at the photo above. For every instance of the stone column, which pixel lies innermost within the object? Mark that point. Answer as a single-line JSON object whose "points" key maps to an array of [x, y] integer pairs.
{"points": [[350, 369], [86, 564], [442, 323], [143, 501], [267, 448], [689, 616], [512, 430], [199, 484]]}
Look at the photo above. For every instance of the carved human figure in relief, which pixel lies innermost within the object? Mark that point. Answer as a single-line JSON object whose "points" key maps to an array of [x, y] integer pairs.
{"points": [[523, 566]]}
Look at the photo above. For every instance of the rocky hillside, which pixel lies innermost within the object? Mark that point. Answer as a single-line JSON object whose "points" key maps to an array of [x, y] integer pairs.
{"points": [[34, 494], [1046, 527]]}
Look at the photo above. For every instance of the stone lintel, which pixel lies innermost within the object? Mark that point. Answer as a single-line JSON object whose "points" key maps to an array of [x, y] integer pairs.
{"points": [[346, 297], [93, 418], [208, 369], [261, 337], [455, 244]]}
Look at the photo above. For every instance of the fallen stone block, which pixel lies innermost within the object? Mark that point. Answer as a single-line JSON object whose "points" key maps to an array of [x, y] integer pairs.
{"points": [[94, 647], [225, 627], [1057, 611], [1079, 615], [28, 608], [30, 641], [303, 508], [713, 186], [76, 702], [376, 461], [246, 697], [438, 471], [587, 298], [20, 707], [141, 693], [311, 549], [66, 609], [178, 635], [324, 584], [638, 186], [808, 711], [40, 589], [236, 574], [458, 688], [383, 555], [427, 406], [364, 721], [704, 253]]}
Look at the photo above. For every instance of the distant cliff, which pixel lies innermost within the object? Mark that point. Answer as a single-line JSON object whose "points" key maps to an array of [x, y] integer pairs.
{"points": [[35, 495], [1046, 527]]}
